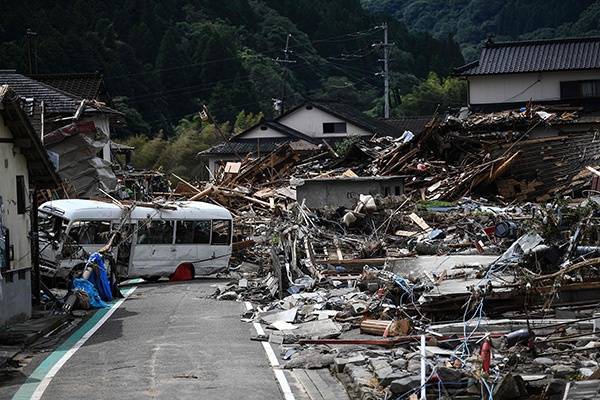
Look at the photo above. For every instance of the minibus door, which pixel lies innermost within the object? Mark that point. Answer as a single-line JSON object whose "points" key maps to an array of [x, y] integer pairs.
{"points": [[154, 252], [124, 250], [220, 245]]}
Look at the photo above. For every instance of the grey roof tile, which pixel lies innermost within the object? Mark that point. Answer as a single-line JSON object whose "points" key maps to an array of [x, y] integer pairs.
{"points": [[536, 56], [55, 100]]}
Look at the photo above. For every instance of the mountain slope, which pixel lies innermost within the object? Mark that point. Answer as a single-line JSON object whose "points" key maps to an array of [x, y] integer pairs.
{"points": [[471, 21], [162, 59]]}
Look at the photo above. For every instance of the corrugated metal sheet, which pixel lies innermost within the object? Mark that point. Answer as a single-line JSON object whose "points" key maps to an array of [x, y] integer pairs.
{"points": [[536, 56]]}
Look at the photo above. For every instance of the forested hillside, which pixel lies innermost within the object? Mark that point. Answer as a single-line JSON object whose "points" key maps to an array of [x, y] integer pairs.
{"points": [[161, 59], [470, 21]]}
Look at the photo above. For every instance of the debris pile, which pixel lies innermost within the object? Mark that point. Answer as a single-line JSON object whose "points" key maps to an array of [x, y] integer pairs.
{"points": [[463, 262], [466, 299]]}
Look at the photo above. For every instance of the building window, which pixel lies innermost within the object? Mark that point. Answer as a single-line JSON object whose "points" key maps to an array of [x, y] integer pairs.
{"points": [[334, 127], [21, 195], [580, 89]]}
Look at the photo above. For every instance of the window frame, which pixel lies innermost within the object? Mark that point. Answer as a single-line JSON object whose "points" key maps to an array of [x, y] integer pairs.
{"points": [[72, 223], [334, 128], [21, 195], [573, 90], [177, 223], [144, 221], [230, 232]]}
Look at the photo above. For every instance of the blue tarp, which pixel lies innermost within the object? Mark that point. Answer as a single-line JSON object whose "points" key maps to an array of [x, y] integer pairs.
{"points": [[90, 289], [100, 280]]}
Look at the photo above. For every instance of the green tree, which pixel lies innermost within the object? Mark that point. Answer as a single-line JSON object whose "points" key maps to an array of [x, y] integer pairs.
{"points": [[433, 94]]}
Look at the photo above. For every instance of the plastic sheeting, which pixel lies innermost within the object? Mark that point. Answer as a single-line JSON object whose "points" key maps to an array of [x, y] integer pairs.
{"points": [[89, 288], [100, 278]]}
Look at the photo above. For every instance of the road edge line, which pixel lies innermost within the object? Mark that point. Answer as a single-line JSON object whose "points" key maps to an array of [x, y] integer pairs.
{"points": [[284, 385], [35, 385]]}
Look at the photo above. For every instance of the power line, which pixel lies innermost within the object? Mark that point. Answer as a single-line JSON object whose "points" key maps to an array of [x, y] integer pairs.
{"points": [[199, 87], [353, 35]]}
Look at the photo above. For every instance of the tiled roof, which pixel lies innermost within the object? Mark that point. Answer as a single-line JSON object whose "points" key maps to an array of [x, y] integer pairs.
{"points": [[253, 146], [536, 56], [55, 100], [278, 127], [414, 124], [82, 85], [245, 147]]}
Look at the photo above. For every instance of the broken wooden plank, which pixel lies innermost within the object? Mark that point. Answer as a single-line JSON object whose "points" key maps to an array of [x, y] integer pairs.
{"points": [[420, 222]]}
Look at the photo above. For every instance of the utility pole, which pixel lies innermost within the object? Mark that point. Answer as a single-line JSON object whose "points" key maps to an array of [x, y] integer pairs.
{"points": [[386, 69], [30, 56], [283, 62]]}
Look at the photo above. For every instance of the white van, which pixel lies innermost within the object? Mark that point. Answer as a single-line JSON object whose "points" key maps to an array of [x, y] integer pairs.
{"points": [[155, 241]]}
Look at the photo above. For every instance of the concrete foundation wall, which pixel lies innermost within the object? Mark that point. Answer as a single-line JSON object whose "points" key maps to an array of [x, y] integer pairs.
{"points": [[15, 296], [345, 192]]}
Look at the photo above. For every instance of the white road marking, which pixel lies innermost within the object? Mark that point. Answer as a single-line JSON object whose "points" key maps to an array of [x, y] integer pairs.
{"points": [[270, 354], [284, 385], [259, 329], [279, 374], [39, 391]]}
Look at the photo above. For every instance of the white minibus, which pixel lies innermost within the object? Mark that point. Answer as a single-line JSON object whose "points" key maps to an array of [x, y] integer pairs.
{"points": [[154, 241]]}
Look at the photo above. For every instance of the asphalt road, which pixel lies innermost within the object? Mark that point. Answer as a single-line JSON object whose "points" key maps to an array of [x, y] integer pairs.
{"points": [[169, 341]]}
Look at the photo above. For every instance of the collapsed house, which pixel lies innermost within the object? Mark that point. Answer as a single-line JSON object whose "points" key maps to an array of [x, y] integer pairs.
{"points": [[81, 123], [477, 278], [306, 126]]}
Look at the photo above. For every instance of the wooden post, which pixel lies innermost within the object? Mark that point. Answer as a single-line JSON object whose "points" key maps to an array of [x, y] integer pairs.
{"points": [[35, 247]]}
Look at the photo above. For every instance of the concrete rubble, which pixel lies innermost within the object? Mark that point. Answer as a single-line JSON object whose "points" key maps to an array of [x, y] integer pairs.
{"points": [[448, 286]]}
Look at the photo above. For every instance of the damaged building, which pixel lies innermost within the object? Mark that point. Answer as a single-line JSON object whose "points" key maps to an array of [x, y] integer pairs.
{"points": [[74, 126], [26, 169]]}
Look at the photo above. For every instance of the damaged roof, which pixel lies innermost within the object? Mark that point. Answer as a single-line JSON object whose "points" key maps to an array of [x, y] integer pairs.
{"points": [[82, 85], [41, 170], [570, 54], [56, 101], [414, 124]]}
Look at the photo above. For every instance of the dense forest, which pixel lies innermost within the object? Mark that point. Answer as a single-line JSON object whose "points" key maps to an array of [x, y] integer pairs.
{"points": [[162, 59], [470, 22]]}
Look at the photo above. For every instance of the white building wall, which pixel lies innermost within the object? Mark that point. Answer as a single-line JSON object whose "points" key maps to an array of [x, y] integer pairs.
{"points": [[103, 123], [310, 122], [258, 133], [512, 88], [13, 163]]}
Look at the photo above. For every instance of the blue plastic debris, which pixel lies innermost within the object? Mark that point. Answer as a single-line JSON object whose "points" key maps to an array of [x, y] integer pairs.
{"points": [[100, 280], [89, 288]]}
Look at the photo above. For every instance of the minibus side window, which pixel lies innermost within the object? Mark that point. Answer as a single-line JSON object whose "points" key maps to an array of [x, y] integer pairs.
{"points": [[221, 232], [192, 232], [90, 232], [155, 232]]}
